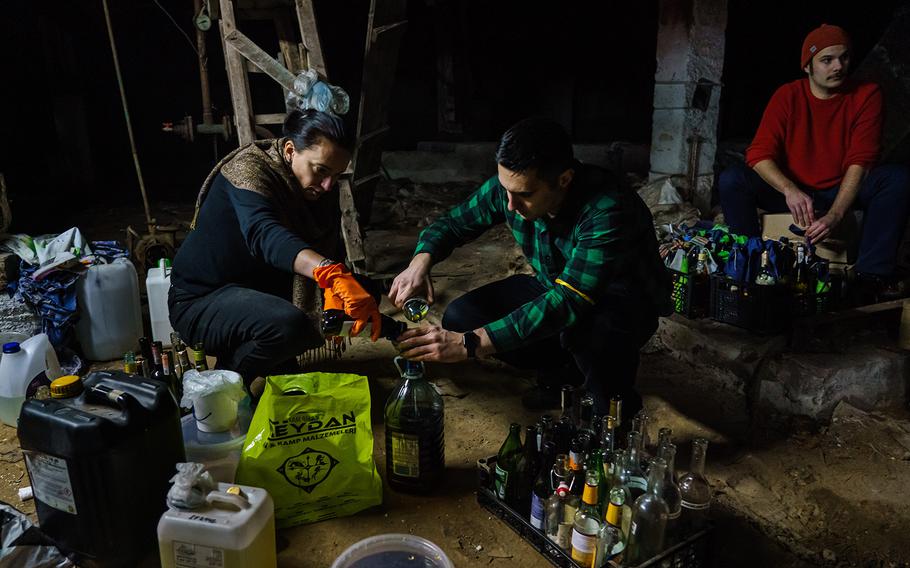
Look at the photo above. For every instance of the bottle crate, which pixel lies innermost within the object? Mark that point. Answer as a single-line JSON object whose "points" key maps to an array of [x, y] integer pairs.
{"points": [[690, 297], [691, 552]]}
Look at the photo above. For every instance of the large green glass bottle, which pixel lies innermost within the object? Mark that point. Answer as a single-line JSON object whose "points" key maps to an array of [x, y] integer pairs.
{"points": [[414, 431], [507, 460]]}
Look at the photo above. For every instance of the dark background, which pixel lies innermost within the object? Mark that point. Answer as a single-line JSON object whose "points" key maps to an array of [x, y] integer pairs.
{"points": [[65, 150]]}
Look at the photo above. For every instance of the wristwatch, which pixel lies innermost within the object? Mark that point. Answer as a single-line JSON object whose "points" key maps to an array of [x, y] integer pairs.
{"points": [[470, 342]]}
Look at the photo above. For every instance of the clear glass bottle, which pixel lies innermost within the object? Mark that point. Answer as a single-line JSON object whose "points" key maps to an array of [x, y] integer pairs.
{"points": [[649, 518], [129, 363], [614, 541], [608, 445], [695, 490], [664, 436], [586, 414], [620, 492], [557, 529], [507, 460], [641, 423], [637, 481], [414, 431], [588, 525], [765, 276], [416, 309], [671, 493]]}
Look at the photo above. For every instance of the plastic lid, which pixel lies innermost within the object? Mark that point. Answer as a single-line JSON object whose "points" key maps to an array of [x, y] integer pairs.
{"points": [[66, 387], [11, 347], [393, 551]]}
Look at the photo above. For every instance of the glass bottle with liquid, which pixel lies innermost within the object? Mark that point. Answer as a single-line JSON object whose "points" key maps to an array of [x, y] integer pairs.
{"points": [[766, 275], [414, 431], [336, 323]]}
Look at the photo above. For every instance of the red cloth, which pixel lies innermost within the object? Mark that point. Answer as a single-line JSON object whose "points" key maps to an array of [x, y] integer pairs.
{"points": [[813, 141]]}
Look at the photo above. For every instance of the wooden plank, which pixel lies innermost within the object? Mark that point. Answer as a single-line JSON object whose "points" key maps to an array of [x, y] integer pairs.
{"points": [[309, 33], [350, 224], [237, 77], [287, 42], [275, 118], [260, 58]]}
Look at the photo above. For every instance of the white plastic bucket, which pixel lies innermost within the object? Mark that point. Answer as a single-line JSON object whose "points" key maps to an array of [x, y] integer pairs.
{"points": [[215, 413], [393, 551]]}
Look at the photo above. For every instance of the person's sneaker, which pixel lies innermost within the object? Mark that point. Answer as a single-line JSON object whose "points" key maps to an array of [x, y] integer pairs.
{"points": [[541, 398]]}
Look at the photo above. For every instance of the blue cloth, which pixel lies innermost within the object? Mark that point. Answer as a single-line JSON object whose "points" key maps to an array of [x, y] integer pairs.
{"points": [[54, 296]]}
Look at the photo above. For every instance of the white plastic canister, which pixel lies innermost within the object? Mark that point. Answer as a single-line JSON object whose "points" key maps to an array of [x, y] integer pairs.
{"points": [[110, 321], [235, 529], [157, 284], [23, 368]]}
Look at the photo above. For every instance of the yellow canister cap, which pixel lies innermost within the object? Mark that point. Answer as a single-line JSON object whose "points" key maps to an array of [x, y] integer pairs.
{"points": [[66, 387]]}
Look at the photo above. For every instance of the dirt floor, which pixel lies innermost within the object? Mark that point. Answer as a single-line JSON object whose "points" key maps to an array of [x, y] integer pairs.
{"points": [[790, 495]]}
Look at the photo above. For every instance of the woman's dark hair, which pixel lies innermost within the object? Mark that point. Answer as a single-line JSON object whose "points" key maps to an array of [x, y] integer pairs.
{"points": [[536, 143], [305, 127]]}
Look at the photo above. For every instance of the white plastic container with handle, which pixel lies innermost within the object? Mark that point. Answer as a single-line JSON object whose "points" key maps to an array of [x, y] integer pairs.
{"points": [[157, 284], [24, 368], [110, 319]]}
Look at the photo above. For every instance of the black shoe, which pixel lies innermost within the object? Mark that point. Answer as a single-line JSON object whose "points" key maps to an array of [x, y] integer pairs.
{"points": [[541, 398]]}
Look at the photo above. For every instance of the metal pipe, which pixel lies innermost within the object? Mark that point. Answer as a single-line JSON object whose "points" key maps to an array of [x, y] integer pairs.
{"points": [[129, 127], [203, 67]]}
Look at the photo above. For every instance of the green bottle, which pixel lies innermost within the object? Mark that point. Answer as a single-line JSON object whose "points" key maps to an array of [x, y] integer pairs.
{"points": [[507, 459]]}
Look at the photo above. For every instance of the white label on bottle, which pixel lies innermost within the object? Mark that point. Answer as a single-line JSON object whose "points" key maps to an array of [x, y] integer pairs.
{"points": [[405, 454], [564, 535], [695, 506], [188, 555], [537, 511], [502, 479], [583, 548], [51, 481]]}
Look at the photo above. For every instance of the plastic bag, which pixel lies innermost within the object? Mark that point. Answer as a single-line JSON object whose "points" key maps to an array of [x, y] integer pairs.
{"points": [[23, 544], [191, 484], [310, 445], [197, 385], [310, 92]]}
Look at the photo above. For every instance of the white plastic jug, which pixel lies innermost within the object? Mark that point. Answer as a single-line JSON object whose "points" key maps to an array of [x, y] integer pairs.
{"points": [[110, 321], [25, 367], [235, 529], [157, 284]]}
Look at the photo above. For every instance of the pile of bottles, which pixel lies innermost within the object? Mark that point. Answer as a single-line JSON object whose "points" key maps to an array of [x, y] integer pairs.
{"points": [[598, 487], [167, 365], [701, 252]]}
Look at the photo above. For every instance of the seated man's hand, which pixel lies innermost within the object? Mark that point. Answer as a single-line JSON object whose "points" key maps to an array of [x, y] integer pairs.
{"points": [[432, 343], [821, 228], [801, 207], [413, 281], [342, 288]]}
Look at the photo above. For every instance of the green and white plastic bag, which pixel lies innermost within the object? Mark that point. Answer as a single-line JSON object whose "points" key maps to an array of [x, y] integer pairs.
{"points": [[310, 445]]}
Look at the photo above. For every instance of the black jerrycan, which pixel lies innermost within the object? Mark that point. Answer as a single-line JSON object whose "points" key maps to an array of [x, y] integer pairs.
{"points": [[100, 461]]}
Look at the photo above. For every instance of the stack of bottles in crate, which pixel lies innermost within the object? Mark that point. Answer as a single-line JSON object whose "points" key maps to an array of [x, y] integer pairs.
{"points": [[693, 255], [597, 486]]}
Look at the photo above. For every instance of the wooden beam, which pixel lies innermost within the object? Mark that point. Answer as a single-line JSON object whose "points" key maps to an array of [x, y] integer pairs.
{"points": [[350, 224], [287, 41], [309, 33], [276, 118], [237, 77], [260, 58]]}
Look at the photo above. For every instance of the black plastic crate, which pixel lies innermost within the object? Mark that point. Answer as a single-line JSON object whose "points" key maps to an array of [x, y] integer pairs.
{"points": [[693, 552], [761, 309], [690, 297]]}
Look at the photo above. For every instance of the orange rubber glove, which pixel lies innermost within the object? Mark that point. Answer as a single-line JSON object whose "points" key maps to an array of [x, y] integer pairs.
{"points": [[340, 287]]}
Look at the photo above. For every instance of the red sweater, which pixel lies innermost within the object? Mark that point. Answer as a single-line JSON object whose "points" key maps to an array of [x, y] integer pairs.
{"points": [[813, 141]]}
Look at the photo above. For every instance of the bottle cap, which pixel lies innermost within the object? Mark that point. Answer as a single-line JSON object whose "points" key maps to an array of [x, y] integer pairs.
{"points": [[66, 387], [11, 347]]}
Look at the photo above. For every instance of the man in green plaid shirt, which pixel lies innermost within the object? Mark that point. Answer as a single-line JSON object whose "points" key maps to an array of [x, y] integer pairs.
{"points": [[599, 283]]}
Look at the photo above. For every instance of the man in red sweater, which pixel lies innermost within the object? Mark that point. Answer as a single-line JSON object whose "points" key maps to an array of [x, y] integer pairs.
{"points": [[815, 154]]}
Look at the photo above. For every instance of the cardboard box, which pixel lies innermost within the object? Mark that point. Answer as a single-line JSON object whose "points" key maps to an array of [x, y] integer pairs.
{"points": [[839, 248]]}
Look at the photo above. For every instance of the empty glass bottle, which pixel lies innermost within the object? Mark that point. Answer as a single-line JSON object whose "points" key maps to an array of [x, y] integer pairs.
{"points": [[518, 493], [671, 493], [637, 482], [414, 431], [649, 518], [613, 541], [586, 414], [608, 446], [620, 492], [695, 490], [507, 460], [542, 486], [557, 528], [641, 423]]}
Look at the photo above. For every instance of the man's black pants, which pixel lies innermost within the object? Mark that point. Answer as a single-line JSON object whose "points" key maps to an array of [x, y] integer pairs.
{"points": [[603, 346]]}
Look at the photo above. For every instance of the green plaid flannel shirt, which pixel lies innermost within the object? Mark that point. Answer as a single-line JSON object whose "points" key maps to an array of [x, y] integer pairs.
{"points": [[601, 243]]}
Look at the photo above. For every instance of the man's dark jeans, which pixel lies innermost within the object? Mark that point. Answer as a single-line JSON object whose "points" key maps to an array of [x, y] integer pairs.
{"points": [[884, 197], [604, 345]]}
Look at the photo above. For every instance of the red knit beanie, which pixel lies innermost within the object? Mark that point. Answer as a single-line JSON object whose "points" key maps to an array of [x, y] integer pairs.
{"points": [[820, 38]]}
